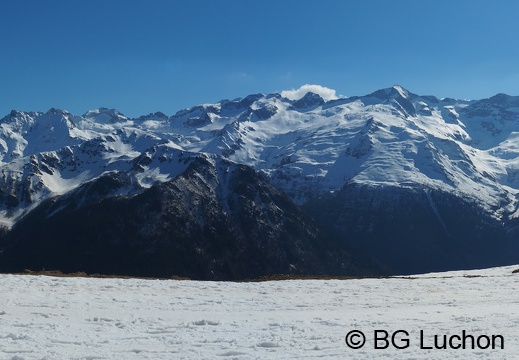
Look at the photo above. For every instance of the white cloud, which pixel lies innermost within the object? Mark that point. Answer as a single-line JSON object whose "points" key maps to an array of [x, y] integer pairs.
{"points": [[324, 92]]}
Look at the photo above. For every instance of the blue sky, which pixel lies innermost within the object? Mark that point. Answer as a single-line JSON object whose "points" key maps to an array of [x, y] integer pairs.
{"points": [[165, 55]]}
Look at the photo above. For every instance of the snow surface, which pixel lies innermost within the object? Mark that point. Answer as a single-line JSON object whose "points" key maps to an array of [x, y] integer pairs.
{"points": [[85, 318]]}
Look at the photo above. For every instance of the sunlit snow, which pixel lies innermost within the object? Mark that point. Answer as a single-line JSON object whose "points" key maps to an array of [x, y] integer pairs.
{"points": [[84, 318]]}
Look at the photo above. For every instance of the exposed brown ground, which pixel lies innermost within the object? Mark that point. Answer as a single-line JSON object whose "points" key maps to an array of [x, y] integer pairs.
{"points": [[273, 277]]}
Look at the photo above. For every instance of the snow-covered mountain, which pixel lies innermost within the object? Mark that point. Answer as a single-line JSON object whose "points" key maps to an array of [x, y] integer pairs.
{"points": [[44, 155], [390, 137], [311, 149], [305, 146]]}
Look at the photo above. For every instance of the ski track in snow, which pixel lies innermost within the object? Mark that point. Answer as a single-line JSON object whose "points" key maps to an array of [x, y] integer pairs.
{"points": [[84, 318]]}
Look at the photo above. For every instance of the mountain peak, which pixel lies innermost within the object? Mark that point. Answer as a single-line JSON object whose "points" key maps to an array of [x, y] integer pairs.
{"points": [[159, 115], [502, 98], [400, 90], [310, 99], [54, 111], [17, 113], [251, 99], [105, 115], [396, 91]]}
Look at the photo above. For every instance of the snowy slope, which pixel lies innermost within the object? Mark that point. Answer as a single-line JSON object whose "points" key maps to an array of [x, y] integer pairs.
{"points": [[84, 318], [51, 154], [391, 137]]}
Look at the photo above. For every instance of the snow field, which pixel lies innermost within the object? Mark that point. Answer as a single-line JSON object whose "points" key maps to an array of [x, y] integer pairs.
{"points": [[85, 318]]}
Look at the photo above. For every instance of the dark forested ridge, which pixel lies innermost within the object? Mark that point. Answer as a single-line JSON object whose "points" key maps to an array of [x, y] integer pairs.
{"points": [[190, 226]]}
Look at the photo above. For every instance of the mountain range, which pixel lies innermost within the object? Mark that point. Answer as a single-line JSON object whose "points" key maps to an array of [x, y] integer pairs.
{"points": [[389, 182]]}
